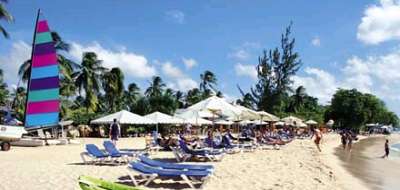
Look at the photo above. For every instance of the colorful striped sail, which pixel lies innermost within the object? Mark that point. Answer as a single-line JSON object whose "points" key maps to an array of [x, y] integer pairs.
{"points": [[43, 104]]}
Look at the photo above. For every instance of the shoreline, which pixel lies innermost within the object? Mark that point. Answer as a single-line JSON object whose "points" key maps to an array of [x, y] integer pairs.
{"points": [[365, 162], [345, 178]]}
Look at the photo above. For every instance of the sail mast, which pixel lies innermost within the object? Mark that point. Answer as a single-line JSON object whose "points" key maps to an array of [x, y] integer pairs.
{"points": [[30, 67]]}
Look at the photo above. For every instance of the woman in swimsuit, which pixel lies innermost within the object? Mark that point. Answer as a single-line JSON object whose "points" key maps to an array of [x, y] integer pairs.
{"points": [[318, 137]]}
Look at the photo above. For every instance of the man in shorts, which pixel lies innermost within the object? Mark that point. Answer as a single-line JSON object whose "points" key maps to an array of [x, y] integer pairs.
{"points": [[114, 132]]}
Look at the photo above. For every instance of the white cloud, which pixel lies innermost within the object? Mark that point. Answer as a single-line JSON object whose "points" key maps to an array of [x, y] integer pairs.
{"points": [[11, 61], [244, 51], [133, 65], [189, 62], [316, 41], [178, 79], [176, 16], [318, 83], [240, 54], [246, 70], [380, 23], [379, 75]]}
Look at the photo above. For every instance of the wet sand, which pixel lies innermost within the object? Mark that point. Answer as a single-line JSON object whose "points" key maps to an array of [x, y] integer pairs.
{"points": [[366, 163]]}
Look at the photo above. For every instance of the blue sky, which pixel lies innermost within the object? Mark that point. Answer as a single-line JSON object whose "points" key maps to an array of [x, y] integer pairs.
{"points": [[347, 44]]}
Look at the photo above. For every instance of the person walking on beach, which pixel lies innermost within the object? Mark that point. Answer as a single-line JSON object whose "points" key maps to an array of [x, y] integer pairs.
{"points": [[318, 137], [114, 132], [386, 149], [349, 140], [343, 137]]}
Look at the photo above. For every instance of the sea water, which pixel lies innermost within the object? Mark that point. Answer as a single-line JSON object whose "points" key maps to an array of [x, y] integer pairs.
{"points": [[395, 150], [366, 163]]}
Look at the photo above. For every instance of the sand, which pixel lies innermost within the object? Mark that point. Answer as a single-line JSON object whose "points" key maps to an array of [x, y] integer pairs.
{"points": [[298, 165]]}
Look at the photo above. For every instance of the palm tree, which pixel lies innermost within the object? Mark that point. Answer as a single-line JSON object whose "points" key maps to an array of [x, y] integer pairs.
{"points": [[156, 87], [113, 85], [179, 99], [246, 101], [19, 95], [87, 79], [208, 81], [298, 99], [193, 96], [4, 15], [3, 90], [132, 96]]}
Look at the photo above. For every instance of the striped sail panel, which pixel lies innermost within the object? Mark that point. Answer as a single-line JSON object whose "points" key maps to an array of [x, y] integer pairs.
{"points": [[43, 95], [44, 119], [44, 72], [43, 103], [42, 27], [42, 107], [44, 60], [44, 83], [44, 37], [45, 48]]}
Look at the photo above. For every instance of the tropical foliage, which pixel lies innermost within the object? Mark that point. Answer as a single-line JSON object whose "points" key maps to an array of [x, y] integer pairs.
{"points": [[352, 109], [275, 70], [6, 16]]}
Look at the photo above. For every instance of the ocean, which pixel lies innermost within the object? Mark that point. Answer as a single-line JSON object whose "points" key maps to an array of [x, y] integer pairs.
{"points": [[366, 163]]}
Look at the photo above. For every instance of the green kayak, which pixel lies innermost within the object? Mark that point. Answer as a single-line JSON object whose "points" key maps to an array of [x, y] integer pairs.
{"points": [[91, 183]]}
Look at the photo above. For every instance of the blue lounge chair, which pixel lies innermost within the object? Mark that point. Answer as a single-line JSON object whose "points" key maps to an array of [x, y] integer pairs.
{"points": [[149, 173], [96, 155], [113, 151], [213, 155], [227, 143], [154, 163]]}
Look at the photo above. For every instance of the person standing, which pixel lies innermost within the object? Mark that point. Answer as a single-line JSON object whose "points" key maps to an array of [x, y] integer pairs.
{"points": [[114, 132], [386, 149], [343, 137]]}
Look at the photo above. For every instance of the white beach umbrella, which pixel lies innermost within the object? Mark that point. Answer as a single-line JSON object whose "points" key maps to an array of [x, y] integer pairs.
{"points": [[291, 120], [246, 113], [280, 123], [330, 123], [311, 122], [193, 117], [162, 118], [123, 117], [265, 116], [223, 122], [217, 105]]}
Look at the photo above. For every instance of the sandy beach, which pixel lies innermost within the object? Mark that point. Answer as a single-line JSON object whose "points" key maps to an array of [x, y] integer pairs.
{"points": [[297, 165]]}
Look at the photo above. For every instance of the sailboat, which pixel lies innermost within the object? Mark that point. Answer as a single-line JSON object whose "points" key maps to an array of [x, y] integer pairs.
{"points": [[43, 102]]}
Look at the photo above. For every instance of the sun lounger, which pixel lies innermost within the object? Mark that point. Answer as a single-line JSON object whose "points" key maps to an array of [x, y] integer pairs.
{"points": [[113, 151], [96, 155], [165, 165], [242, 146], [213, 155], [149, 173], [91, 183]]}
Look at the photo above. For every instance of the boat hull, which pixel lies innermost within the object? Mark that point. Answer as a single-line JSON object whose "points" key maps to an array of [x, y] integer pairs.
{"points": [[11, 133]]}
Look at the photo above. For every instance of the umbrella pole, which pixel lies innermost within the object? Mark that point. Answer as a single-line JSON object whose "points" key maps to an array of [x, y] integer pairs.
{"points": [[157, 127]]}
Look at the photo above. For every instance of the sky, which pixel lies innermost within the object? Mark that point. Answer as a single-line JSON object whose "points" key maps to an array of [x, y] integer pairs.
{"points": [[342, 44]]}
